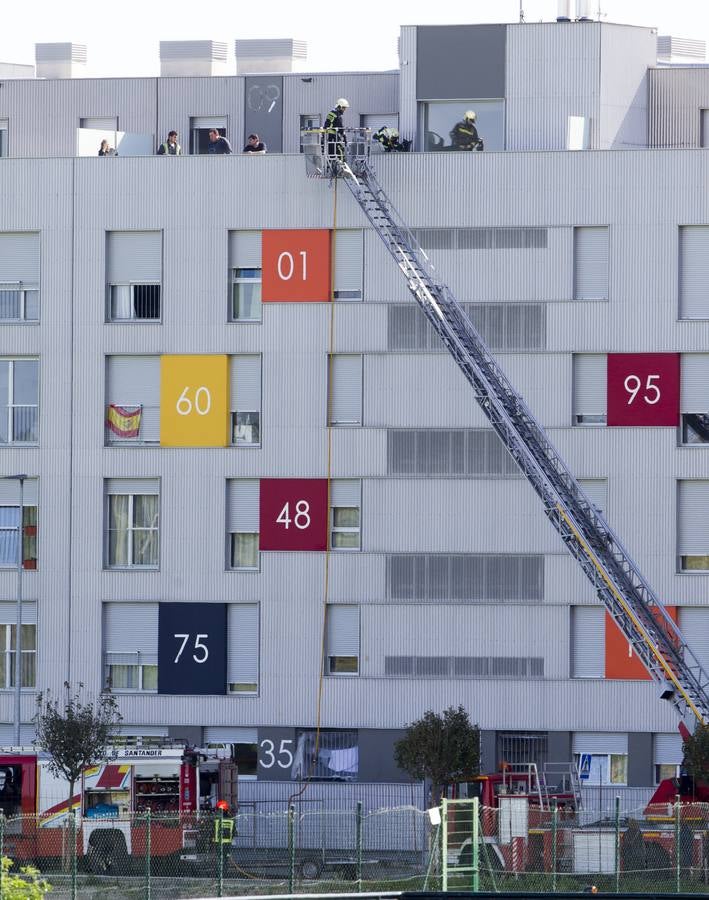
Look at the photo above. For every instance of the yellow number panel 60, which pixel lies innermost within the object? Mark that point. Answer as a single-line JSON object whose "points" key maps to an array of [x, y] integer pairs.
{"points": [[194, 407]]}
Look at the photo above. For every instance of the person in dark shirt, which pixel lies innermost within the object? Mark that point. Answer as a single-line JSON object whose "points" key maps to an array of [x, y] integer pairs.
{"points": [[217, 143], [254, 145], [464, 135], [335, 129]]}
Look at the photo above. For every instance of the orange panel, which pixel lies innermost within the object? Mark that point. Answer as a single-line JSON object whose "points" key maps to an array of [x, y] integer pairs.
{"points": [[295, 266], [621, 662]]}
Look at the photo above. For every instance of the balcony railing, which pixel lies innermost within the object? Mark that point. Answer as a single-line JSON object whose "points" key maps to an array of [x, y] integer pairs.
{"points": [[127, 424]]}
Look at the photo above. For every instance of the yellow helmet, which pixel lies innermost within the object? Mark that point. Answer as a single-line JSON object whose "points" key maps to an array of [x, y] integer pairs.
{"points": [[470, 116]]}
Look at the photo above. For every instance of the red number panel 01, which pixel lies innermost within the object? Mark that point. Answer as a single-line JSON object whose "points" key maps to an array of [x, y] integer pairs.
{"points": [[295, 266], [293, 514], [643, 389]]}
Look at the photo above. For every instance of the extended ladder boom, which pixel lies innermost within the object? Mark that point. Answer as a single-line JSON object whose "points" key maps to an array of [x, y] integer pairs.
{"points": [[616, 578]]}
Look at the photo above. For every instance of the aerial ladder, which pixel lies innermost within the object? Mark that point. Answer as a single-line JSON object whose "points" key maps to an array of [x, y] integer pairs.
{"points": [[616, 578]]}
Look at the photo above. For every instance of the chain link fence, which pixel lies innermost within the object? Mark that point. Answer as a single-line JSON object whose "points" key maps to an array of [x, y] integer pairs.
{"points": [[307, 849]]}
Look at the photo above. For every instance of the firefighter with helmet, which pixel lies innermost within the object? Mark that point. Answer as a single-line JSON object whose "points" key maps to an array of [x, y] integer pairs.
{"points": [[223, 824], [335, 129], [464, 135]]}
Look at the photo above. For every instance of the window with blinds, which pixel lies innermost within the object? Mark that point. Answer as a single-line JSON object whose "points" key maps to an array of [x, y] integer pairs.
{"points": [[591, 263], [243, 648], [480, 578], [693, 525], [19, 274], [133, 275], [694, 398], [694, 272], [590, 388], [346, 386], [4, 128], [245, 400], [448, 452], [8, 645], [130, 646], [349, 264], [242, 506], [245, 276], [503, 326], [588, 641], [10, 523], [19, 401], [132, 531], [342, 639], [132, 414], [464, 666], [345, 514]]}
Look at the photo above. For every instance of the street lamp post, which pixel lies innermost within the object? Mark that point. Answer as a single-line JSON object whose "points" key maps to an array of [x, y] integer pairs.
{"points": [[18, 621]]}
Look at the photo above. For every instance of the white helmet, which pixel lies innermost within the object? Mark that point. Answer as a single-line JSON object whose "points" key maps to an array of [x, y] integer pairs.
{"points": [[342, 103], [470, 116]]}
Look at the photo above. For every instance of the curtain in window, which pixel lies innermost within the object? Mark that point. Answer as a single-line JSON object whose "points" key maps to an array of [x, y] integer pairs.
{"points": [[121, 305], [123, 677], [145, 534], [118, 530]]}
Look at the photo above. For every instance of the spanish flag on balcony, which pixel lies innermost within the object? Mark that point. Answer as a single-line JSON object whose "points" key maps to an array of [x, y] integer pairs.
{"points": [[124, 421]]}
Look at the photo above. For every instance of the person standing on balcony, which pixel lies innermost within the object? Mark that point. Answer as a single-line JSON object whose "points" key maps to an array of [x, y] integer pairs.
{"points": [[217, 143], [170, 147]]}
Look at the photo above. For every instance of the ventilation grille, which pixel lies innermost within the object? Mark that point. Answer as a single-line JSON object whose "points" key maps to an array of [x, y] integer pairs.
{"points": [[481, 238], [456, 452], [464, 666]]}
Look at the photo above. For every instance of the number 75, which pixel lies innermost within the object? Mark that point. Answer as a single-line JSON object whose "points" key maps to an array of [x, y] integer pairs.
{"points": [[199, 647]]}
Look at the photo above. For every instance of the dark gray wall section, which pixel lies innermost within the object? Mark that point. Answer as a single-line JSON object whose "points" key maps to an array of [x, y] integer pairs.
{"points": [[488, 751], [192, 734], [640, 763], [376, 756], [263, 110], [270, 755], [460, 62], [559, 747]]}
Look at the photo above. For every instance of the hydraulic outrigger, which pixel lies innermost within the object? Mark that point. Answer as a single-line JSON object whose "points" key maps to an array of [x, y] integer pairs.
{"points": [[616, 578]]}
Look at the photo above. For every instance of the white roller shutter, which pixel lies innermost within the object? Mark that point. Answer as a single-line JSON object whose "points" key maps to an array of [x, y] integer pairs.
{"points": [[694, 625], [245, 383], [346, 396], [133, 256], [348, 264], [208, 122], [139, 486], [242, 643], [19, 257], [10, 492], [599, 742], [220, 734], [588, 642], [8, 613], [243, 505], [596, 489], [345, 492], [667, 749], [133, 381], [7, 735], [244, 249], [694, 272], [142, 730], [100, 123], [590, 384], [591, 263], [694, 396], [342, 630], [693, 518], [130, 633]]}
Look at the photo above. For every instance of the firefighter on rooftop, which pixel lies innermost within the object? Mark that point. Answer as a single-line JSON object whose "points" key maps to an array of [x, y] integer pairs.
{"points": [[464, 135]]}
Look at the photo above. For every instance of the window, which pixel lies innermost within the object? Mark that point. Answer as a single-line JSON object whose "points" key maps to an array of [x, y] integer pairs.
{"points": [[3, 138], [520, 749], [28, 667], [19, 401], [588, 641], [345, 509], [132, 413], [345, 401], [245, 277], [243, 648], [590, 388], [694, 399], [133, 523], [342, 640], [133, 275], [667, 756], [308, 122], [337, 756], [693, 525], [19, 276], [245, 400], [9, 516], [130, 646], [693, 272], [200, 126], [243, 524], [608, 754], [591, 263], [242, 742], [440, 117], [349, 264]]}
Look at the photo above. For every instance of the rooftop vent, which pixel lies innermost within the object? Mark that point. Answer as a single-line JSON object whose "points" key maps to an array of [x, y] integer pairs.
{"points": [[60, 60], [201, 58], [680, 50], [264, 55]]}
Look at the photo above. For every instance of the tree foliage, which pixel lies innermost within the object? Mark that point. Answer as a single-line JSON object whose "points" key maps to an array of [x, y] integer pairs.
{"points": [[441, 748], [696, 753], [75, 732], [28, 886]]}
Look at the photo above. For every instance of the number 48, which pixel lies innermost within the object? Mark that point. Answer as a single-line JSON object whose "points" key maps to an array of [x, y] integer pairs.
{"points": [[301, 520]]}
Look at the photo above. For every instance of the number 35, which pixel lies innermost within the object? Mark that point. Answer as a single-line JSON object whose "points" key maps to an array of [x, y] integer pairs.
{"points": [[268, 759]]}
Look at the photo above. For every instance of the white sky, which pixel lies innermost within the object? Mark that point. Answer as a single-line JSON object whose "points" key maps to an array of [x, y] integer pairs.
{"points": [[123, 35]]}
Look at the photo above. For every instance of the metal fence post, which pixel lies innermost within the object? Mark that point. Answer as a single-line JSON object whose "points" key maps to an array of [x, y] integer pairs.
{"points": [[678, 855], [617, 844], [476, 844], [220, 853], [148, 851], [554, 836], [359, 846], [291, 848], [2, 852], [72, 837], [444, 844]]}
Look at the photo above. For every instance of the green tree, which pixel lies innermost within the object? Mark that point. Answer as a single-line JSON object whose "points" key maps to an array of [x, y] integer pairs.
{"points": [[75, 732], [696, 753], [442, 748], [28, 886]]}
